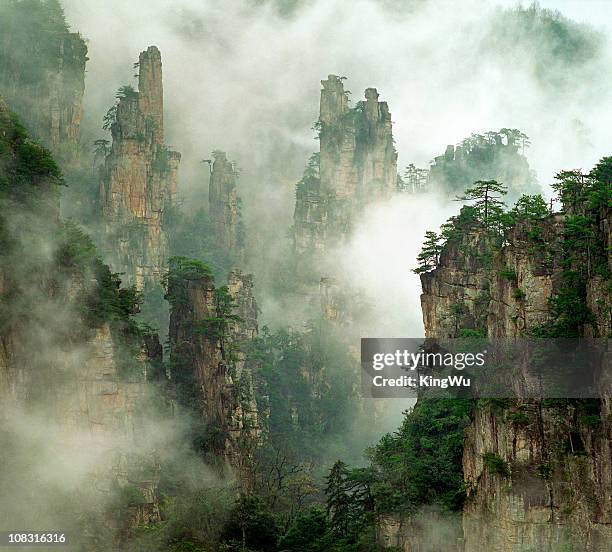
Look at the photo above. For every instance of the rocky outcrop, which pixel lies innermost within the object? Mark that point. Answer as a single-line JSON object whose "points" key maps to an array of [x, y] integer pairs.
{"points": [[538, 472], [505, 295], [42, 76], [71, 362], [357, 165], [139, 179], [210, 329], [224, 205], [493, 156]]}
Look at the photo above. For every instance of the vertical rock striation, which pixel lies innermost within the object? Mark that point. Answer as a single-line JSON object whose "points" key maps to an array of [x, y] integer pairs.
{"points": [[555, 488], [357, 165], [209, 330], [224, 205], [71, 361], [139, 179], [42, 75]]}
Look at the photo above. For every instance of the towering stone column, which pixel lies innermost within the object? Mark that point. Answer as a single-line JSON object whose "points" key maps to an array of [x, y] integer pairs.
{"points": [[151, 92], [209, 330], [223, 204], [139, 179], [357, 165]]}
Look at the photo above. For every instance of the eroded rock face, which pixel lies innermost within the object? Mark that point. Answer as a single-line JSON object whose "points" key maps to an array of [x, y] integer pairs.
{"points": [[139, 180], [48, 97], [68, 367], [558, 487], [224, 206], [357, 166], [107, 402], [209, 331]]}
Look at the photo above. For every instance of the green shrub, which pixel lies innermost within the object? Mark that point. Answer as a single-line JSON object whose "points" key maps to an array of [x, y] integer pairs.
{"points": [[508, 274], [495, 464], [591, 420], [519, 418], [545, 470]]}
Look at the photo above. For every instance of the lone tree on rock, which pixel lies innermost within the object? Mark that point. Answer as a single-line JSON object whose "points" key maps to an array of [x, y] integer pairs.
{"points": [[429, 256], [486, 196]]}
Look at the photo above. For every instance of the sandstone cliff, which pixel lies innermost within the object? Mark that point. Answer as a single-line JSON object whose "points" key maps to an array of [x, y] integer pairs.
{"points": [[357, 165], [42, 74], [209, 331], [139, 179], [72, 363], [224, 205], [538, 473]]}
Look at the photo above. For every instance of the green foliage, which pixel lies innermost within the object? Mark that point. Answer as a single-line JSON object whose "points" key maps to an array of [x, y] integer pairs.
{"points": [[530, 208], [217, 326], [110, 117], [101, 147], [106, 301], [34, 31], [518, 294], [309, 532], [193, 519], [545, 471], [578, 191], [470, 332], [429, 256], [557, 47], [456, 227], [349, 500], [518, 418], [161, 163], [421, 463], [340, 506], [193, 237], [490, 156], [251, 525], [27, 168], [414, 179], [183, 268], [309, 183], [485, 197], [508, 274], [495, 464], [591, 421], [126, 92], [307, 372]]}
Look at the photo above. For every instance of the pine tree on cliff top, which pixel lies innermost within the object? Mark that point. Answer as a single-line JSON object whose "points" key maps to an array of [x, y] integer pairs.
{"points": [[430, 253], [485, 196]]}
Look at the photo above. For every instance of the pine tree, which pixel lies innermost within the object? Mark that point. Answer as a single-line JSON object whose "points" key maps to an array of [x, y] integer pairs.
{"points": [[429, 256], [486, 197], [338, 499]]}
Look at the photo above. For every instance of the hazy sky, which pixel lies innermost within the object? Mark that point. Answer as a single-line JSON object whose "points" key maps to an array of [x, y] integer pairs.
{"points": [[247, 81]]}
